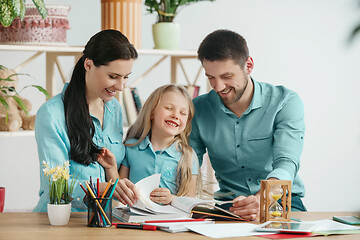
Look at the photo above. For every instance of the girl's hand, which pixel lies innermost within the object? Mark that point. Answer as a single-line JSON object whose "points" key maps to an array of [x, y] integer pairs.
{"points": [[126, 192], [107, 159], [162, 195]]}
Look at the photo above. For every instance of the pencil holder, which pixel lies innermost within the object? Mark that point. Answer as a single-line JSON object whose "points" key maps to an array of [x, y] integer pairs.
{"points": [[99, 212]]}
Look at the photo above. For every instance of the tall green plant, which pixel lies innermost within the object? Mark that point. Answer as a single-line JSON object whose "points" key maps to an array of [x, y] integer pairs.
{"points": [[167, 9], [356, 30], [10, 9]]}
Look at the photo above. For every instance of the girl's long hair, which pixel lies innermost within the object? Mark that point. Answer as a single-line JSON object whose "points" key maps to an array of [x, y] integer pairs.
{"points": [[102, 48], [142, 128]]}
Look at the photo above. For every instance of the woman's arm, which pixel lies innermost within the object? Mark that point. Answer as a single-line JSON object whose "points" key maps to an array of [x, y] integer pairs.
{"points": [[108, 160]]}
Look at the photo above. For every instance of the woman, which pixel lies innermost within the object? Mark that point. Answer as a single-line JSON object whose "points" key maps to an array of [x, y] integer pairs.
{"points": [[77, 123]]}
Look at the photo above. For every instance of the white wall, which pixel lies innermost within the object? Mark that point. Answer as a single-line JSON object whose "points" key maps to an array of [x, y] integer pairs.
{"points": [[301, 44]]}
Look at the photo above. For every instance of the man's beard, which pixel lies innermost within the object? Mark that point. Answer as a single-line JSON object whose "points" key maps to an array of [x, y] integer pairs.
{"points": [[238, 95]]}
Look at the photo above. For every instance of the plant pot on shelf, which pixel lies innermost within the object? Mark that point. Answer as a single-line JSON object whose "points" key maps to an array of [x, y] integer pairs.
{"points": [[166, 35], [59, 214], [33, 30], [124, 16]]}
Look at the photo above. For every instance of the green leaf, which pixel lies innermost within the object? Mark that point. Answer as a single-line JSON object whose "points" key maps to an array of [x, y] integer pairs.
{"points": [[16, 6], [4, 103], [21, 104], [40, 5], [22, 9], [41, 89], [6, 13], [355, 32], [7, 79], [3, 67]]}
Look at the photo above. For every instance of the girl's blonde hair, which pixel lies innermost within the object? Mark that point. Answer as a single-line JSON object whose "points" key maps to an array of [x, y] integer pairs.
{"points": [[142, 128]]}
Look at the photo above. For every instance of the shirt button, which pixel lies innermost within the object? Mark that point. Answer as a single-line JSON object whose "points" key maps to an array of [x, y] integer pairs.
{"points": [[238, 146], [242, 166], [249, 180], [237, 123], [100, 140]]}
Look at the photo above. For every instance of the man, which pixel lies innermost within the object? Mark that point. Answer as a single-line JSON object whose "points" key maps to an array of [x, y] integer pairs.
{"points": [[252, 131]]}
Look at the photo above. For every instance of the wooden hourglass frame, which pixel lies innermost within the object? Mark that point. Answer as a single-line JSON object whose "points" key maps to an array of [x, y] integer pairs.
{"points": [[265, 188]]}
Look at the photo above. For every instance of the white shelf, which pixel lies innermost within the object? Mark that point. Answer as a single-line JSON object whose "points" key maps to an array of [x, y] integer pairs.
{"points": [[20, 133], [79, 49]]}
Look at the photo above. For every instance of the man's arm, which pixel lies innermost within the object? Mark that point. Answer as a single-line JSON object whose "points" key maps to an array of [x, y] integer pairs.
{"points": [[288, 139], [196, 143], [287, 149]]}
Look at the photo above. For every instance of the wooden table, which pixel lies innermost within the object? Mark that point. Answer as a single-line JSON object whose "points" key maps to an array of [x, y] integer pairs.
{"points": [[18, 225]]}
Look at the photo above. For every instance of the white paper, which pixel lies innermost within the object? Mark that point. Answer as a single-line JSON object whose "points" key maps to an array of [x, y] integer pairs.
{"points": [[226, 230], [328, 225], [145, 186]]}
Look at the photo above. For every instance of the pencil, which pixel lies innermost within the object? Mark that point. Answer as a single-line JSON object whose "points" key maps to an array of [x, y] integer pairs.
{"points": [[103, 195], [83, 188], [97, 203], [106, 189], [111, 193], [98, 187]]}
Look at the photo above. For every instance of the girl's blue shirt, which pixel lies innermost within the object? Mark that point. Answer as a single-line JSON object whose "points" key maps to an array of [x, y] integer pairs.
{"points": [[143, 161], [54, 146]]}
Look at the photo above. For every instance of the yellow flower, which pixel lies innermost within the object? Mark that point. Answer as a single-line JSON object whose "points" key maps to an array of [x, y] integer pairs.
{"points": [[57, 177]]}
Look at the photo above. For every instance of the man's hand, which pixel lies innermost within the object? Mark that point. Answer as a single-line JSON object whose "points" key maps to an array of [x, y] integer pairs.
{"points": [[161, 195], [246, 207]]}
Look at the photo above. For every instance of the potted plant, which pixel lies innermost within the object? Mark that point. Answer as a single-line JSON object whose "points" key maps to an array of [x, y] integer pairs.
{"points": [[30, 24], [165, 31], [60, 192], [10, 9], [14, 110]]}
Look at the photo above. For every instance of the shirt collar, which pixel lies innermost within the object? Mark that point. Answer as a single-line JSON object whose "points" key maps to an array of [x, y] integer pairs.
{"points": [[256, 101], [171, 151]]}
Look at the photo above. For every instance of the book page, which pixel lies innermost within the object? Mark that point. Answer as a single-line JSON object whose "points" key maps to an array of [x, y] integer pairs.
{"points": [[145, 187], [188, 203]]}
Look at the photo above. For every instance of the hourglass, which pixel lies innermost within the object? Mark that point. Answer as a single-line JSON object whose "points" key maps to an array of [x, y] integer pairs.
{"points": [[270, 192], [275, 208]]}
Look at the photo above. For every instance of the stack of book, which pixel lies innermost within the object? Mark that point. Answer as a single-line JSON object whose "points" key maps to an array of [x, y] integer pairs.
{"points": [[131, 105], [181, 207]]}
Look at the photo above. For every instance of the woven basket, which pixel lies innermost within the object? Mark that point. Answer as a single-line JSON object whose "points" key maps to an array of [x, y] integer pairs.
{"points": [[34, 30]]}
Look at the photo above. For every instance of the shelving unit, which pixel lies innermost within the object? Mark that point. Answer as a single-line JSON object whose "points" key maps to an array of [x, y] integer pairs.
{"points": [[53, 53]]}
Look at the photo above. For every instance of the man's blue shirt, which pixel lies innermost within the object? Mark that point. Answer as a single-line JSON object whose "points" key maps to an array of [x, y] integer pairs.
{"points": [[266, 141]]}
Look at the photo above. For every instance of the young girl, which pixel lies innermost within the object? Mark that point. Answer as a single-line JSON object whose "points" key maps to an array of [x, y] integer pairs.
{"points": [[75, 124], [158, 143]]}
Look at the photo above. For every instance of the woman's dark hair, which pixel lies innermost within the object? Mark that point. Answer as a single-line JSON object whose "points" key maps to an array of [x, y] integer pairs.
{"points": [[223, 45], [102, 48]]}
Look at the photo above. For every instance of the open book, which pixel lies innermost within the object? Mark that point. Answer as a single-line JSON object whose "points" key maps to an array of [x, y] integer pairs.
{"points": [[180, 207]]}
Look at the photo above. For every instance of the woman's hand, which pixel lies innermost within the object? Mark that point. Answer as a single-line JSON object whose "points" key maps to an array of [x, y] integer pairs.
{"points": [[126, 192], [162, 195], [107, 159]]}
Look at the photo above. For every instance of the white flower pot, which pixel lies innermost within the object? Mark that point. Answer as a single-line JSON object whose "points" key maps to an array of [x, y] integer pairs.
{"points": [[59, 214]]}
